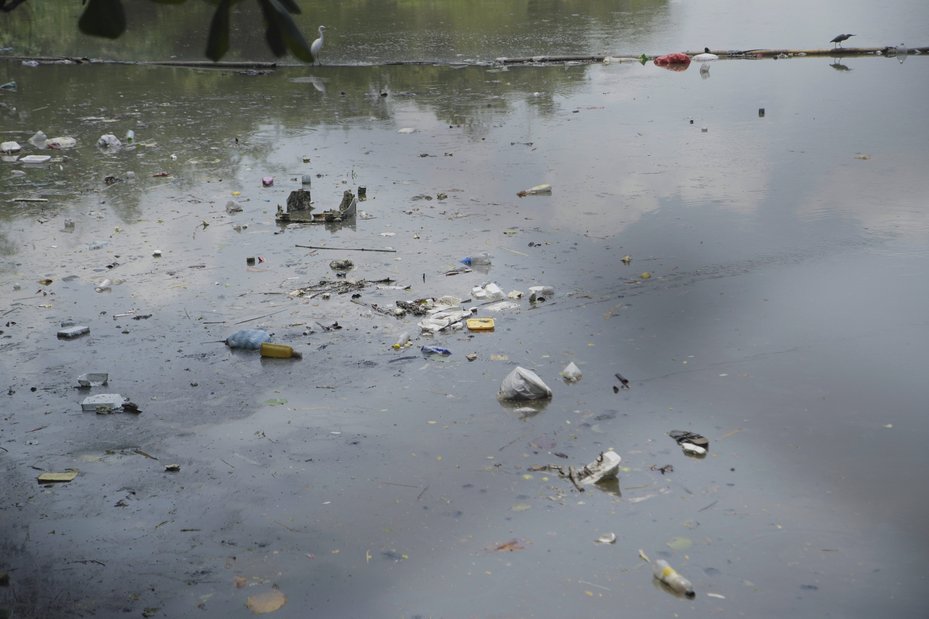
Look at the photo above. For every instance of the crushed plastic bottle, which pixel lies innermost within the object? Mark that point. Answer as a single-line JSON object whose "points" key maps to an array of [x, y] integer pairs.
{"points": [[669, 576], [482, 258], [435, 350], [538, 190]]}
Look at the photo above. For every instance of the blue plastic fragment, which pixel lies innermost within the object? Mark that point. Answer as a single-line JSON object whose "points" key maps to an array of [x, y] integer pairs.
{"points": [[250, 339]]}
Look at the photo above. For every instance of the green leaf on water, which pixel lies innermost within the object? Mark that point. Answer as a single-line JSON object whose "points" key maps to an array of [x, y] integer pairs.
{"points": [[275, 402]]}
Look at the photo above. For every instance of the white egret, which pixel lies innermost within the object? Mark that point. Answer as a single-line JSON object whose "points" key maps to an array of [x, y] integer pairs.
{"points": [[318, 45]]}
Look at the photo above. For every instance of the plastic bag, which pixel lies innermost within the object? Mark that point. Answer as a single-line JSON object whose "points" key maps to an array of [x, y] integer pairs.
{"points": [[250, 339], [523, 384], [571, 373]]}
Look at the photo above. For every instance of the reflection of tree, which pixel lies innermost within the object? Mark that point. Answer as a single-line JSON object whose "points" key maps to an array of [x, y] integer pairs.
{"points": [[363, 31], [6, 246], [220, 122]]}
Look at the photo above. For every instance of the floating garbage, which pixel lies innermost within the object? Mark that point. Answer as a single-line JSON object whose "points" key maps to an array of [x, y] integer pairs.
{"points": [[435, 350], [35, 159], [480, 324], [538, 190], [93, 379], [267, 181], [61, 142], [706, 56], [57, 478], [678, 61], [267, 602], [402, 342], [571, 373], [249, 339], [692, 443], [10, 147], [604, 468], [109, 140], [279, 351], [104, 403], [73, 331], [443, 319], [341, 265], [523, 384], [480, 259], [39, 140], [488, 292], [540, 293], [669, 576]]}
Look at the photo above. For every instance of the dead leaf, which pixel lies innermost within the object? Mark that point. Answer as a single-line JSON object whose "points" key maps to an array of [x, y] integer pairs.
{"points": [[267, 602], [511, 546], [240, 582]]}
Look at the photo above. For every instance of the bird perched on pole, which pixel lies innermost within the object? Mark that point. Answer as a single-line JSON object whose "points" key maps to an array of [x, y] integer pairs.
{"points": [[836, 41], [318, 44]]}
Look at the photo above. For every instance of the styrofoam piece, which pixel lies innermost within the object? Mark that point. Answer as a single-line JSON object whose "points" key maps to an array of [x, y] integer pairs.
{"points": [[103, 403]]}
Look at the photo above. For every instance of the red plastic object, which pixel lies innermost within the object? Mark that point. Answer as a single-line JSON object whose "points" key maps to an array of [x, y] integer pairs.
{"points": [[678, 61]]}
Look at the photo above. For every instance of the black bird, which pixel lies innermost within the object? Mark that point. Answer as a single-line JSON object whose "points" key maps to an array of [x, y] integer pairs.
{"points": [[842, 37]]}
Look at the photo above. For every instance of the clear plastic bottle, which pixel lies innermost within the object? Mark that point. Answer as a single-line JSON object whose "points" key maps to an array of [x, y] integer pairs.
{"points": [[402, 342], [480, 259], [669, 576], [130, 137]]}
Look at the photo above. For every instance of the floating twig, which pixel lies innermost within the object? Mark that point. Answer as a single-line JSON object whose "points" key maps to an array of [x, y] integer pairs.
{"points": [[260, 317], [345, 248]]}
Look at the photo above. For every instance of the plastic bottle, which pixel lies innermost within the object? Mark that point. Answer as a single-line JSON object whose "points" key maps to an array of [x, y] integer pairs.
{"points": [[130, 136], [402, 342], [482, 258], [669, 576], [104, 286], [279, 351]]}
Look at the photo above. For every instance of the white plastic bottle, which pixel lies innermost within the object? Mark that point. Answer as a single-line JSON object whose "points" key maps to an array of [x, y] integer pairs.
{"points": [[669, 576], [402, 342]]}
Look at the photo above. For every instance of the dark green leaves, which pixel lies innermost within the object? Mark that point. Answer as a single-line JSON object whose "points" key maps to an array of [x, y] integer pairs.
{"points": [[282, 33], [103, 18], [107, 18]]}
